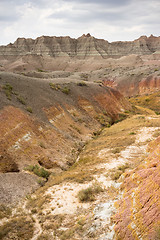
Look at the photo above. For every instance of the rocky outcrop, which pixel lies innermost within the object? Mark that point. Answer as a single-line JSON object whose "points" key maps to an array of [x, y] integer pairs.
{"points": [[137, 85], [149, 85], [83, 47], [138, 214]]}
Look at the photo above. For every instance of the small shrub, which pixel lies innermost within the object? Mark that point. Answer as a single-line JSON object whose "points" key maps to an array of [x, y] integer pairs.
{"points": [[157, 113], [29, 109], [81, 221], [8, 87], [21, 100], [42, 145], [88, 194], [34, 210], [116, 150], [66, 90], [40, 70], [84, 76], [41, 182], [123, 167], [116, 175], [132, 133], [97, 133], [81, 84], [147, 100], [54, 86], [101, 119]]}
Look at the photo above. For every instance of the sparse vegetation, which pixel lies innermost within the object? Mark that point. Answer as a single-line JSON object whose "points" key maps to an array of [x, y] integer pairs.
{"points": [[151, 101], [115, 174], [4, 211], [157, 113], [116, 150], [75, 128], [19, 228], [29, 109], [42, 145], [40, 70], [21, 100], [66, 90], [88, 194], [84, 76], [81, 84], [8, 90], [132, 133], [104, 120], [39, 171], [54, 86], [121, 117]]}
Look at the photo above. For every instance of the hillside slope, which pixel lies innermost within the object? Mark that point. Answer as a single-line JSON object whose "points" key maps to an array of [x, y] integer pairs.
{"points": [[48, 123]]}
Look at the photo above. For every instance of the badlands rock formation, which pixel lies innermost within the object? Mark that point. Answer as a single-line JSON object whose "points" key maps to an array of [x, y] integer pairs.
{"points": [[131, 67], [59, 100], [83, 47]]}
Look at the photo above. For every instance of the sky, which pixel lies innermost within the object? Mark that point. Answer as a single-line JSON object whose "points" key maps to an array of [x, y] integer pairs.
{"points": [[112, 20]]}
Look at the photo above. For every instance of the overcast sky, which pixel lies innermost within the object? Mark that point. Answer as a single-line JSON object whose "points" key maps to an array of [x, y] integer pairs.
{"points": [[112, 20]]}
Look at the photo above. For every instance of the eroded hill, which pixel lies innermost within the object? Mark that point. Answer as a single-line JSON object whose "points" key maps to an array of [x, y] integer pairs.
{"points": [[47, 124], [74, 162]]}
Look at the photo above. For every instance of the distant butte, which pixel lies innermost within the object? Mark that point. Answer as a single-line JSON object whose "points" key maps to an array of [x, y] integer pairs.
{"points": [[82, 47]]}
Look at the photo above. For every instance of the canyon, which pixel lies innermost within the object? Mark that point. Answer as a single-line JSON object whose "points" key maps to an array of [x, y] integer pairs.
{"points": [[79, 139]]}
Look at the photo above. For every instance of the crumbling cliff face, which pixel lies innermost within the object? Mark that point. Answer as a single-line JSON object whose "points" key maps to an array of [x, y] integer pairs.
{"points": [[138, 214], [83, 47], [137, 85]]}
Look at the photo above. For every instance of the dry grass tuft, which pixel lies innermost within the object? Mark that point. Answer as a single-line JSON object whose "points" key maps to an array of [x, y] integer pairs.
{"points": [[88, 194]]}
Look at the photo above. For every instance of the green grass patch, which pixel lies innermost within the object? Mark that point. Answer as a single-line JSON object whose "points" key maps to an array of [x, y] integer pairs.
{"points": [[39, 171], [21, 100], [8, 90], [29, 109], [66, 90]]}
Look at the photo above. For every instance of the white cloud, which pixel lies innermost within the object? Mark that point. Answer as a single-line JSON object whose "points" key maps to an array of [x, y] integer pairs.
{"points": [[112, 20]]}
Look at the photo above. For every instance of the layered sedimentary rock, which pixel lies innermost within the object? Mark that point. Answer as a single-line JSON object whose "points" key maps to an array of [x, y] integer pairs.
{"points": [[138, 214], [84, 46], [63, 117]]}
